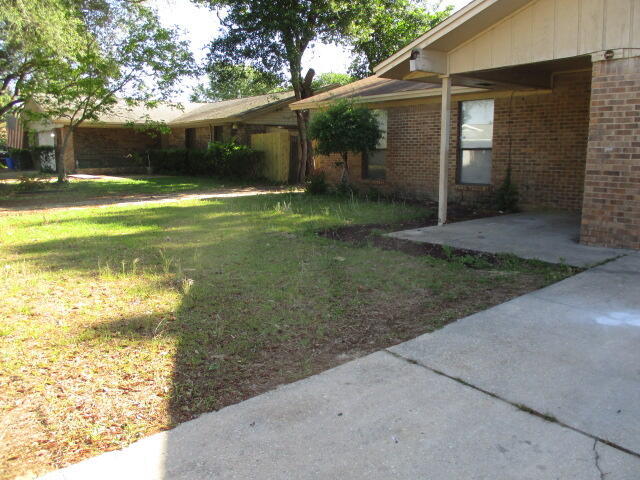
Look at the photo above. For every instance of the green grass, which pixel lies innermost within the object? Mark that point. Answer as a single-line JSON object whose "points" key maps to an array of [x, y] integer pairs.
{"points": [[103, 188], [118, 322]]}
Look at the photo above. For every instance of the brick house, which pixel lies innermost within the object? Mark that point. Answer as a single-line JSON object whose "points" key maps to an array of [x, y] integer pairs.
{"points": [[549, 88], [108, 145]]}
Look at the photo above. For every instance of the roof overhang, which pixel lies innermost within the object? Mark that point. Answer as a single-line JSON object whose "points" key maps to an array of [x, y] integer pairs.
{"points": [[456, 29], [390, 97]]}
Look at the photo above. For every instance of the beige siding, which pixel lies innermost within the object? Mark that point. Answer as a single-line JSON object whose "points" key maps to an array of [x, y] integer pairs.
{"points": [[551, 29], [566, 34]]}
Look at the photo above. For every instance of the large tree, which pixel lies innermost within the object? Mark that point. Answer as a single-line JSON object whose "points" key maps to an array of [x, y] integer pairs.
{"points": [[130, 60], [329, 79], [273, 35], [385, 26], [36, 36]]}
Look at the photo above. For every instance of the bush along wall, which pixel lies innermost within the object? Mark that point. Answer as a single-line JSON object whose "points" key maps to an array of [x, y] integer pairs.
{"points": [[21, 158], [229, 160]]}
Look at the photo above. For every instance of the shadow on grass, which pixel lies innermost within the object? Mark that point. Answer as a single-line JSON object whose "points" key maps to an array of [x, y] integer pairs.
{"points": [[260, 300]]}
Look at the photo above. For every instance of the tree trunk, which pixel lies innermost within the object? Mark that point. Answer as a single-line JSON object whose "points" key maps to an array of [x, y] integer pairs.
{"points": [[303, 143], [302, 89], [60, 166], [345, 169]]}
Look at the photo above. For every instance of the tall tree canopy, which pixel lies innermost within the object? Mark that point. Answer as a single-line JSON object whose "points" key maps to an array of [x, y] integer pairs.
{"points": [[273, 35], [35, 37], [330, 78], [226, 81], [385, 26]]}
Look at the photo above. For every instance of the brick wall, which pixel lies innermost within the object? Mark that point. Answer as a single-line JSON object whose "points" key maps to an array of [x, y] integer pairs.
{"points": [[110, 147], [544, 136], [244, 131], [611, 211], [174, 139], [177, 138]]}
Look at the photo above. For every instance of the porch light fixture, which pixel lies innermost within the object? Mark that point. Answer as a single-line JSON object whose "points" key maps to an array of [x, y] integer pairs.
{"points": [[414, 54], [609, 54]]}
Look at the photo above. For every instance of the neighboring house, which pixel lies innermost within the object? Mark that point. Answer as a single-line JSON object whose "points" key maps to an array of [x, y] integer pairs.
{"points": [[550, 88], [109, 144]]}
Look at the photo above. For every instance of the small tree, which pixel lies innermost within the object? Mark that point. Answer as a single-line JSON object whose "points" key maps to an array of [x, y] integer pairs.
{"points": [[345, 127], [133, 59], [507, 194]]}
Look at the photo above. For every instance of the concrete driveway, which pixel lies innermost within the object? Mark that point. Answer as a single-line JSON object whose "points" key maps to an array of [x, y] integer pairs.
{"points": [[546, 386]]}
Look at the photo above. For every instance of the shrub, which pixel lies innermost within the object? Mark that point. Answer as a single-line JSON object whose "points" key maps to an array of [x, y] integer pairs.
{"points": [[317, 184], [229, 160], [21, 158], [507, 195], [28, 183], [169, 160], [344, 127]]}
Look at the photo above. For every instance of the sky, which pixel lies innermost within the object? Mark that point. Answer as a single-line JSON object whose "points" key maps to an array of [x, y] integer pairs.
{"points": [[199, 25]]}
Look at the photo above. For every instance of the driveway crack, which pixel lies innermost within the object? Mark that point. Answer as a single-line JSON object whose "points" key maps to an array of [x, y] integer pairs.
{"points": [[596, 459], [544, 416]]}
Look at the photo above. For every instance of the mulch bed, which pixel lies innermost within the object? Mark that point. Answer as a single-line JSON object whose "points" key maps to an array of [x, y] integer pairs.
{"points": [[371, 235]]}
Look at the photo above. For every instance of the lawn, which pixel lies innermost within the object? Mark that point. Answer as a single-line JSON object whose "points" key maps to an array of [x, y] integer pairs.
{"points": [[122, 321], [46, 191]]}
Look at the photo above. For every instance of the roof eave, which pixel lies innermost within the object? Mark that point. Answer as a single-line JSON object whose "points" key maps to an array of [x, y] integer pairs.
{"points": [[387, 97], [443, 28]]}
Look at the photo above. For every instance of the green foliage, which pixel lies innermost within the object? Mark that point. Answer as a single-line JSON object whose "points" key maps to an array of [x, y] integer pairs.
{"points": [[507, 196], [273, 36], [36, 37], [344, 127], [169, 160], [317, 184], [227, 81], [127, 57], [385, 26], [32, 183], [226, 160], [331, 78], [21, 158], [3, 135]]}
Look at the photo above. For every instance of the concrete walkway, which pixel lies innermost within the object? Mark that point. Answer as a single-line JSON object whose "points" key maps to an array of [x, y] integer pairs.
{"points": [[465, 402], [551, 237]]}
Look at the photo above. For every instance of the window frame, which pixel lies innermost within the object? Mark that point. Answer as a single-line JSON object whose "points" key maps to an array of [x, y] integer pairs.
{"points": [[365, 166], [364, 171], [215, 129], [190, 138], [460, 150]]}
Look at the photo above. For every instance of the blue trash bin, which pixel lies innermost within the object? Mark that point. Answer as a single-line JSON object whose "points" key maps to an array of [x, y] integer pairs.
{"points": [[10, 163]]}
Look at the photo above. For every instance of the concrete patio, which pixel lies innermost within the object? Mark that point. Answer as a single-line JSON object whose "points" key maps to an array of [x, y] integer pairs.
{"points": [[550, 237], [466, 402]]}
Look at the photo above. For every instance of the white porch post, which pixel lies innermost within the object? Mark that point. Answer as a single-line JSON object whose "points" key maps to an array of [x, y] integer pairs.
{"points": [[445, 134]]}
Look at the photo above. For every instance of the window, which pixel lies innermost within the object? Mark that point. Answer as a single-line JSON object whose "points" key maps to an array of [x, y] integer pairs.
{"points": [[190, 138], [476, 142], [373, 163], [217, 133]]}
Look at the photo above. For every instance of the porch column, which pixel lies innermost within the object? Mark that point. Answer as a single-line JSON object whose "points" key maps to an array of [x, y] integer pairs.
{"points": [[611, 206], [445, 134]]}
